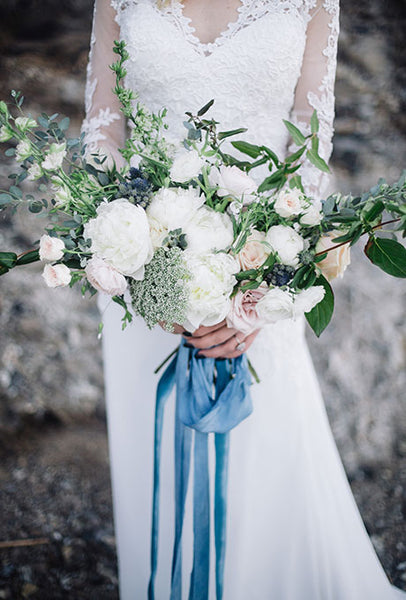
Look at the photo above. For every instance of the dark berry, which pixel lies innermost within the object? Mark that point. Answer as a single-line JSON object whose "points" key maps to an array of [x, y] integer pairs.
{"points": [[280, 275]]}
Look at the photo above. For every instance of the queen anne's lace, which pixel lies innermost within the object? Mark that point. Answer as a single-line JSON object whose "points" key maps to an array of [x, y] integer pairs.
{"points": [[253, 70]]}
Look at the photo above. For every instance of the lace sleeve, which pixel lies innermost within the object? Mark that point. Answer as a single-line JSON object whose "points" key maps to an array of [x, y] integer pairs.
{"points": [[104, 124], [315, 88]]}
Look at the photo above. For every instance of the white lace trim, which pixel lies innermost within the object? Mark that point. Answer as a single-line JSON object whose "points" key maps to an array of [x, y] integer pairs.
{"points": [[92, 127]]}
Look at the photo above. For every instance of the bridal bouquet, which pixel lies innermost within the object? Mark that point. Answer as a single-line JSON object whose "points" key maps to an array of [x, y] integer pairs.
{"points": [[189, 233]]}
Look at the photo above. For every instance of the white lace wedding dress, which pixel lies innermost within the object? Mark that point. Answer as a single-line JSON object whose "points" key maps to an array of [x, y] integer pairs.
{"points": [[294, 531]]}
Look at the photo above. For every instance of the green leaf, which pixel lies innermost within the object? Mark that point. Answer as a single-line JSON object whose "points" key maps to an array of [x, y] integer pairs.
{"points": [[296, 134], [247, 148], [250, 274], [295, 156], [205, 108], [320, 316], [317, 161], [389, 255], [296, 182], [271, 182], [64, 124], [8, 259], [35, 206], [103, 178], [225, 134], [10, 152], [43, 121], [271, 155], [15, 191], [5, 199], [28, 257], [314, 123], [376, 209]]}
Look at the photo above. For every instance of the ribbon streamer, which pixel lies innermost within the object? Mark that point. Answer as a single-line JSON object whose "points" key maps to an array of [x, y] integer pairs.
{"points": [[212, 396]]}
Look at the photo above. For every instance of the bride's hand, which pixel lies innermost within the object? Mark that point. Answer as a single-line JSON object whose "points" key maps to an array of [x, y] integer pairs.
{"points": [[220, 341]]}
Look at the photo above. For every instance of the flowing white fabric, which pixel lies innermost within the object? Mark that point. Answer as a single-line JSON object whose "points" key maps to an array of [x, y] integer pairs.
{"points": [[294, 531]]}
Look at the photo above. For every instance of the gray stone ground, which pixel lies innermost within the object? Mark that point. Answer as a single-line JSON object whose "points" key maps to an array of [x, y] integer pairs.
{"points": [[54, 463]]}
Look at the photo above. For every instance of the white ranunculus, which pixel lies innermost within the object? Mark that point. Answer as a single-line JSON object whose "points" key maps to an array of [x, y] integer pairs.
{"points": [[212, 281], [54, 158], [51, 249], [23, 150], [6, 133], [25, 123], [286, 242], [120, 235], [312, 214], [171, 208], [34, 172], [186, 165], [208, 230], [307, 299], [275, 306], [289, 202], [56, 275], [231, 181], [105, 278]]}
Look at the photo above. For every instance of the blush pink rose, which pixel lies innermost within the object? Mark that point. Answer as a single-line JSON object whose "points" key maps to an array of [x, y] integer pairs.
{"points": [[105, 278], [243, 314], [254, 252], [56, 275]]}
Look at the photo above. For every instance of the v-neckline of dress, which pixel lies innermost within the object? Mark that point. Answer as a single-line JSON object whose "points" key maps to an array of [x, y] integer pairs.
{"points": [[206, 48]]}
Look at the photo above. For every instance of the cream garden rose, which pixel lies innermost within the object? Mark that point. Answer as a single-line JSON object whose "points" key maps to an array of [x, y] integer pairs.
{"points": [[186, 165], [212, 281], [254, 252], [120, 235], [286, 242], [172, 208], [336, 260], [51, 249], [56, 275], [232, 181], [105, 278], [289, 202]]}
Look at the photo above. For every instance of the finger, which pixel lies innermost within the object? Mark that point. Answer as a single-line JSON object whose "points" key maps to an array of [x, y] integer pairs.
{"points": [[228, 350], [203, 330], [220, 336]]}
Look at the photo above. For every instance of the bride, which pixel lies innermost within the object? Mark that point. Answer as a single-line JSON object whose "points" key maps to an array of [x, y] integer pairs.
{"points": [[294, 531]]}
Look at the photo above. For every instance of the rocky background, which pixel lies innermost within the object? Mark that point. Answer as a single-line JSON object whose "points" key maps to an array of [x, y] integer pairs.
{"points": [[54, 461]]}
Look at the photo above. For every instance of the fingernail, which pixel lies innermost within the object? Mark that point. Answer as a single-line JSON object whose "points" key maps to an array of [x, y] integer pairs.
{"points": [[187, 334]]}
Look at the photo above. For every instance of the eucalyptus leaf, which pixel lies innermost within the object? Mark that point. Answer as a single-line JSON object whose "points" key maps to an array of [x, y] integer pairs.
{"points": [[15, 191], [10, 152], [389, 255], [320, 316], [64, 124], [43, 121], [5, 199], [35, 206]]}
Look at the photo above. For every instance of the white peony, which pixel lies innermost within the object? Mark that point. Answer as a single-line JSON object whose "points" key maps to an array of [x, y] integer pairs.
{"points": [[186, 165], [51, 249], [275, 306], [120, 235], [105, 278], [24, 123], [23, 150], [56, 275], [171, 208], [34, 172], [208, 230], [231, 181], [54, 158], [312, 214], [212, 281], [289, 202], [286, 242], [306, 300]]}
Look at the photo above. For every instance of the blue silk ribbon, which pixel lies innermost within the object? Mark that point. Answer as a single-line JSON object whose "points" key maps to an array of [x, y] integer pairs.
{"points": [[212, 396]]}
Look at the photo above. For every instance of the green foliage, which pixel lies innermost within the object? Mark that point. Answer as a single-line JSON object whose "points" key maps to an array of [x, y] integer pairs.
{"points": [[320, 316], [388, 255]]}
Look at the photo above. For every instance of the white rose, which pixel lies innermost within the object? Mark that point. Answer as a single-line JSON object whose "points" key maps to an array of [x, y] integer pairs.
{"points": [[171, 208], [208, 230], [276, 305], [306, 300], [24, 123], [104, 278], [286, 242], [336, 260], [23, 150], [34, 172], [289, 202], [186, 166], [120, 235], [54, 157], [50, 248], [56, 275], [6, 133], [212, 281], [312, 214], [231, 181]]}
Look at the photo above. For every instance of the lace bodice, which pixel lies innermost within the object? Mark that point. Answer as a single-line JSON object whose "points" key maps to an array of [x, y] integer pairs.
{"points": [[275, 61]]}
